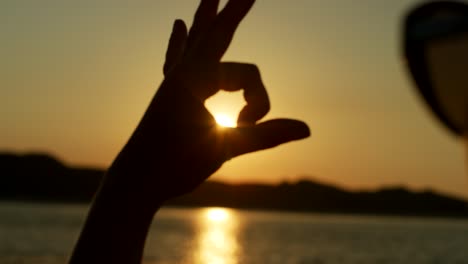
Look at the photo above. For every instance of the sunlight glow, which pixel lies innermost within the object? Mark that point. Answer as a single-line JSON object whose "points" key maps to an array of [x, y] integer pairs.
{"points": [[217, 214], [225, 120]]}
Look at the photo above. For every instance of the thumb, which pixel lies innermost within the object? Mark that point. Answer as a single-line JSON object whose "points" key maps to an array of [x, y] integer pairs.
{"points": [[265, 135]]}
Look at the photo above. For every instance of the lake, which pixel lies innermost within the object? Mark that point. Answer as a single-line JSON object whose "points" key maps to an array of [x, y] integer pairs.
{"points": [[46, 233]]}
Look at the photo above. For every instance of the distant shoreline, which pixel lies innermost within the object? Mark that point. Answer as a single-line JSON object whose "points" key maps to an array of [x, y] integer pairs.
{"points": [[41, 178]]}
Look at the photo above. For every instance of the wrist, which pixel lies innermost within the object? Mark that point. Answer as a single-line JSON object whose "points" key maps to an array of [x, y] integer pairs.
{"points": [[122, 191], [117, 222]]}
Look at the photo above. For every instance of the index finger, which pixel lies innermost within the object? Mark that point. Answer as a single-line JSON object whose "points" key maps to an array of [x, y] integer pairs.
{"points": [[220, 36], [237, 76]]}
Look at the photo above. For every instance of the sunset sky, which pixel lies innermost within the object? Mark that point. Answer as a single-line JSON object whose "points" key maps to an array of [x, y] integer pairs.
{"points": [[77, 76]]}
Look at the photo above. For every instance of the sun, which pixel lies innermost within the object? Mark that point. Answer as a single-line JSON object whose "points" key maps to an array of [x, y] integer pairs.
{"points": [[217, 214], [225, 120]]}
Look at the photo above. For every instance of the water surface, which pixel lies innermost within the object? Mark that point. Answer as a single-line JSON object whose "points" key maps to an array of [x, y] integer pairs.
{"points": [[45, 233]]}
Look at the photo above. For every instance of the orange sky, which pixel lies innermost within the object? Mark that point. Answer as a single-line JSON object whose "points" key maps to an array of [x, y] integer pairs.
{"points": [[77, 77]]}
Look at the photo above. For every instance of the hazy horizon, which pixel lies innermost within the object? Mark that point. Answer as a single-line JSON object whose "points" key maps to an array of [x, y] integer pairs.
{"points": [[276, 182], [77, 77]]}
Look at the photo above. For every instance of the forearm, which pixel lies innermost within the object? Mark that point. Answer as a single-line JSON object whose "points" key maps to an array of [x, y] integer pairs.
{"points": [[116, 227], [133, 190]]}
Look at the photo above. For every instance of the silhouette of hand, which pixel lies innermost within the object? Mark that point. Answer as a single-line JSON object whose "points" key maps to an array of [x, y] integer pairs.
{"points": [[177, 144]]}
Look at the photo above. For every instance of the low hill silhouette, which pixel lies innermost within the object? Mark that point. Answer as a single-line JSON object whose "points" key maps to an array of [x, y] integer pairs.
{"points": [[40, 177]]}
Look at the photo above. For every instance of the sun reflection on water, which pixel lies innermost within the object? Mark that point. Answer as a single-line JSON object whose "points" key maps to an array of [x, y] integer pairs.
{"points": [[217, 241], [217, 214]]}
